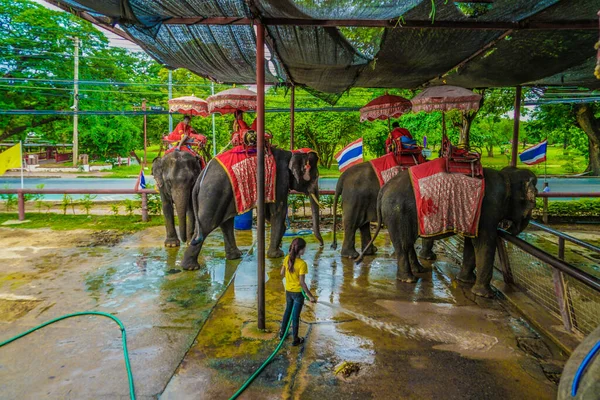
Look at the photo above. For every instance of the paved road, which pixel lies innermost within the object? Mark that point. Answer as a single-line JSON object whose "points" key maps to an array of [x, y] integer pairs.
{"points": [[556, 185]]}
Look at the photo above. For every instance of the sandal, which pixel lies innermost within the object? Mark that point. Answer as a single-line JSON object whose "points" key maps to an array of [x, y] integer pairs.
{"points": [[298, 341]]}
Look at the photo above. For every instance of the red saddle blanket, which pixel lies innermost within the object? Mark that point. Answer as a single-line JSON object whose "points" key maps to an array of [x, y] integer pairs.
{"points": [[388, 166], [240, 165], [446, 202]]}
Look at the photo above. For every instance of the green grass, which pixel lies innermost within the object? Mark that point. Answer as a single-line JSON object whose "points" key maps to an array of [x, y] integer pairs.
{"points": [[122, 223]]}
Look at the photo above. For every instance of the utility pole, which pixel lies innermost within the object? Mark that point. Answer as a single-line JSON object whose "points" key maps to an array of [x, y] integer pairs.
{"points": [[170, 97], [212, 91], [76, 104], [145, 137]]}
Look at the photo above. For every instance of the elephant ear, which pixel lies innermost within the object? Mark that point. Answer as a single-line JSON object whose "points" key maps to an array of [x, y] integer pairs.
{"points": [[157, 171], [300, 167]]}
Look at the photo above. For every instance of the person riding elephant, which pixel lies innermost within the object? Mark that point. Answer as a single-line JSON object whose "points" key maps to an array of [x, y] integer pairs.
{"points": [[175, 174], [215, 203], [509, 196]]}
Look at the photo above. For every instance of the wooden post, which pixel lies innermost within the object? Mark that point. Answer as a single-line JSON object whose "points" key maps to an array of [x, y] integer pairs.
{"points": [[292, 110], [504, 261], [145, 136], [260, 170], [145, 207], [545, 209], [517, 117], [21, 198]]}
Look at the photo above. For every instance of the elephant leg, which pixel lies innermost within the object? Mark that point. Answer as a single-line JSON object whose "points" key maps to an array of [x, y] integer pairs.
{"points": [[349, 244], [277, 230], [426, 252], [415, 265], [485, 250], [167, 207], [467, 269], [365, 238], [404, 273], [190, 223], [231, 250], [190, 257]]}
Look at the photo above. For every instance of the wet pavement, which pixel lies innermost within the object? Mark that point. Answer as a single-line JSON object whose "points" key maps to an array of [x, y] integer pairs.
{"points": [[432, 339]]}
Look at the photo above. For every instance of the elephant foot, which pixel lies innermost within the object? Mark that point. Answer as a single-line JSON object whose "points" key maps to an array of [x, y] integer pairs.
{"points": [[350, 253], [190, 265], [427, 254], [466, 277], [275, 253], [172, 242], [407, 277], [233, 254], [334, 246], [370, 251], [482, 291], [417, 268]]}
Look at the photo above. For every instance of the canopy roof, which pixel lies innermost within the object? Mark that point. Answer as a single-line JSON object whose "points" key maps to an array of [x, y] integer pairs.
{"points": [[409, 43]]}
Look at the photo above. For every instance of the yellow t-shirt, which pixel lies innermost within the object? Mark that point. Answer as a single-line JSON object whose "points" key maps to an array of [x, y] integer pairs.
{"points": [[292, 279]]}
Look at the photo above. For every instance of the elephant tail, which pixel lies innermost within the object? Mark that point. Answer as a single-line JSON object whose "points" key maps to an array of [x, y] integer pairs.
{"points": [[379, 225], [338, 193], [195, 191]]}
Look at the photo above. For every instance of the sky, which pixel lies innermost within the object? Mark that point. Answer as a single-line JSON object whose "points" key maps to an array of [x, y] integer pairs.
{"points": [[114, 40]]}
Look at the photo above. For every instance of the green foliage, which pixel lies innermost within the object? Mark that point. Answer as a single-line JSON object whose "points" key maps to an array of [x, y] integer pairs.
{"points": [[574, 208], [87, 202], [66, 202], [295, 201], [10, 199], [130, 206], [114, 208], [59, 222], [38, 198], [153, 201]]}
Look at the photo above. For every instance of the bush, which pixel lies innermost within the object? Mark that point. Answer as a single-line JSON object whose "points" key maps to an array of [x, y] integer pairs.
{"points": [[154, 202], [114, 208], [574, 208], [131, 206], [66, 202], [87, 202], [10, 199], [295, 201]]}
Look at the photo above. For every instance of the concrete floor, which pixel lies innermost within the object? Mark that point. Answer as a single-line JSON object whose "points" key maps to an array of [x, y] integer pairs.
{"points": [[432, 339]]}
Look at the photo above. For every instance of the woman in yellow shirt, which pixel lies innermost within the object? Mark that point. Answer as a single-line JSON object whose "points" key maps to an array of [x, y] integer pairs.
{"points": [[294, 269]]}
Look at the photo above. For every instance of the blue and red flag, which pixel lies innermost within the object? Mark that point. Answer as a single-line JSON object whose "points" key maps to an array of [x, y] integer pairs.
{"points": [[350, 155], [535, 154]]}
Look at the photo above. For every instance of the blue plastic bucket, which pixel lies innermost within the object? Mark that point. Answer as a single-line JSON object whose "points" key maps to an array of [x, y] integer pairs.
{"points": [[243, 222]]}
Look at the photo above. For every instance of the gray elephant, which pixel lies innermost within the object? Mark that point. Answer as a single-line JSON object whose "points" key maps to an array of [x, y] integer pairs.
{"points": [[359, 186], [509, 197], [214, 203], [175, 175]]}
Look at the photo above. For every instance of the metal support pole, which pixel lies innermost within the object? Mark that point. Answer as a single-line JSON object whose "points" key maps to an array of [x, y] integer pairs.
{"points": [[145, 135], [144, 207], [76, 104], [260, 170], [292, 111], [21, 197], [170, 97], [515, 138], [212, 91]]}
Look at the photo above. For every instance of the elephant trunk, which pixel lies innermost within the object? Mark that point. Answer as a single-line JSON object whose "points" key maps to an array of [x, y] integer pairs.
{"points": [[181, 201], [313, 193]]}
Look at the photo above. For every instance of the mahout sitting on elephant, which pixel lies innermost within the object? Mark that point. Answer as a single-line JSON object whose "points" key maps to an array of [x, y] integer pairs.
{"points": [[216, 202], [358, 187], [175, 175], [507, 196]]}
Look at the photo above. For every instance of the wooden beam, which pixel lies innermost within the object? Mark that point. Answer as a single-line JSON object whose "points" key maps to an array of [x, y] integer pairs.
{"points": [[394, 23]]}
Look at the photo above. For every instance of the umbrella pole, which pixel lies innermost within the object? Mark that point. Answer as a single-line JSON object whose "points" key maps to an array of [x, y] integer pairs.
{"points": [[389, 127], [260, 170], [443, 125]]}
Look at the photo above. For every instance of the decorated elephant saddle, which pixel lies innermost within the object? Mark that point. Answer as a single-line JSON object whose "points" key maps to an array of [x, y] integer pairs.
{"points": [[240, 164], [388, 166], [446, 202]]}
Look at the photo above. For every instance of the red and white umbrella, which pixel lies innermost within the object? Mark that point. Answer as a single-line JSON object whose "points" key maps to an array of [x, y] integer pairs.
{"points": [[190, 105], [446, 98], [385, 107], [231, 100]]}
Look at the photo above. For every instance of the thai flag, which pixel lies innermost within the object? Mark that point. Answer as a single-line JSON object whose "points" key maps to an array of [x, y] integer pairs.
{"points": [[141, 181], [350, 155], [535, 154]]}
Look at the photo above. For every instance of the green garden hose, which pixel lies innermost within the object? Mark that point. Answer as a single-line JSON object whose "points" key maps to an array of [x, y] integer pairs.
{"points": [[268, 360], [102, 314]]}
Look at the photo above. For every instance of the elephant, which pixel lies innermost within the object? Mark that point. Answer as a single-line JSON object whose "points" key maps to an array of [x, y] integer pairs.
{"points": [[175, 175], [509, 198], [359, 186], [214, 203]]}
